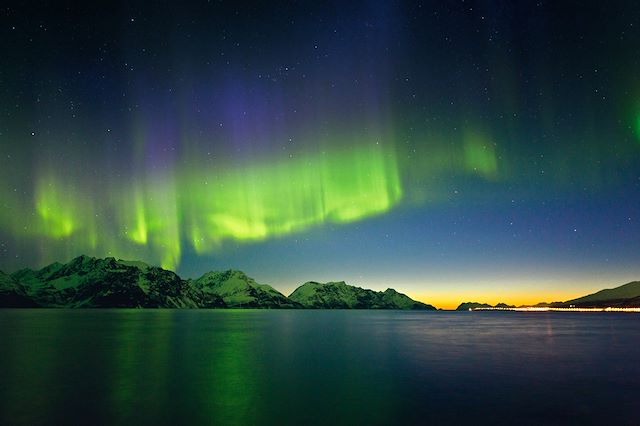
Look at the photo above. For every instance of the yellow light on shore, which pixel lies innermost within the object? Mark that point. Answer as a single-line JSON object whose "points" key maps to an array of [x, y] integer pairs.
{"points": [[548, 309]]}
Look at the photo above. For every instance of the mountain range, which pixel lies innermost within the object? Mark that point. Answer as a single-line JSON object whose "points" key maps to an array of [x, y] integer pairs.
{"points": [[624, 296], [89, 282]]}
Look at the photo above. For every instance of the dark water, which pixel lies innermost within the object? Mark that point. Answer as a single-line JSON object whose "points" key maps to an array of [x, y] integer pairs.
{"points": [[317, 367]]}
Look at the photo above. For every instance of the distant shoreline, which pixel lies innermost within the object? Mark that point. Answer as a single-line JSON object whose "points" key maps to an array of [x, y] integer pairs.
{"points": [[541, 309]]}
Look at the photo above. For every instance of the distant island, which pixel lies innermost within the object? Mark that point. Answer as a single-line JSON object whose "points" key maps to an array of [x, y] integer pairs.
{"points": [[465, 306], [89, 282]]}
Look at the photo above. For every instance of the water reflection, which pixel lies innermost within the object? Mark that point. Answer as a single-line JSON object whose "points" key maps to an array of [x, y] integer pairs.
{"points": [[316, 367]]}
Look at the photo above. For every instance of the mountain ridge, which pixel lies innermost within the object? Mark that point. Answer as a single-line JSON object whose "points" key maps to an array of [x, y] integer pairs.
{"points": [[241, 291], [339, 295], [90, 282], [625, 295]]}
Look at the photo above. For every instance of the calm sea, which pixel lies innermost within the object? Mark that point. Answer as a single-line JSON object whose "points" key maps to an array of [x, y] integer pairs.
{"points": [[317, 367]]}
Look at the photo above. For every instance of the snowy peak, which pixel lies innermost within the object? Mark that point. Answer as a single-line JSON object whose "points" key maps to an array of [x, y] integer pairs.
{"points": [[339, 295]]}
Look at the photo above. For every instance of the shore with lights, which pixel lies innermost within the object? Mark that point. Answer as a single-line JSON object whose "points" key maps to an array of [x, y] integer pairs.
{"points": [[549, 309]]}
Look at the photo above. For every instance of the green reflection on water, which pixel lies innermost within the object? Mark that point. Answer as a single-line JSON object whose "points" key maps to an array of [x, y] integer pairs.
{"points": [[168, 366], [31, 369], [192, 366], [139, 377], [232, 373]]}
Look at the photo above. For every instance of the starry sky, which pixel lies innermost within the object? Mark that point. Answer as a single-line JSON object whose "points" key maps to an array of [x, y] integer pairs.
{"points": [[461, 150]]}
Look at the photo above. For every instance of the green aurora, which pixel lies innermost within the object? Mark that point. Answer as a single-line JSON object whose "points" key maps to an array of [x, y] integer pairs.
{"points": [[205, 209]]}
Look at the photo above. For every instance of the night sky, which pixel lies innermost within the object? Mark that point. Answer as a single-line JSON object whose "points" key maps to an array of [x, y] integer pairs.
{"points": [[467, 150]]}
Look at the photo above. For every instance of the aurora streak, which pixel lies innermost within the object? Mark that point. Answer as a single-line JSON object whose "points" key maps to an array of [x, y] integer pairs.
{"points": [[243, 204]]}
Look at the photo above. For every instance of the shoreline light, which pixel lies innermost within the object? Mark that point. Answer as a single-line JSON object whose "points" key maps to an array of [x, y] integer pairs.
{"points": [[549, 309]]}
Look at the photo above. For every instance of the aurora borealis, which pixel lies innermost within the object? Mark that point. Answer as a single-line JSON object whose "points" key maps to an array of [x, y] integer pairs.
{"points": [[467, 150]]}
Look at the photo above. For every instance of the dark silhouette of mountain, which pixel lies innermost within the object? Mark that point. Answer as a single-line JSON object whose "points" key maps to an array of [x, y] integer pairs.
{"points": [[88, 282], [624, 296], [339, 295], [465, 306], [240, 291], [504, 305], [627, 295]]}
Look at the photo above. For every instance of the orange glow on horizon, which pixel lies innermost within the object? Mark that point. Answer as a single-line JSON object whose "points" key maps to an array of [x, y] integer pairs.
{"points": [[451, 299]]}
